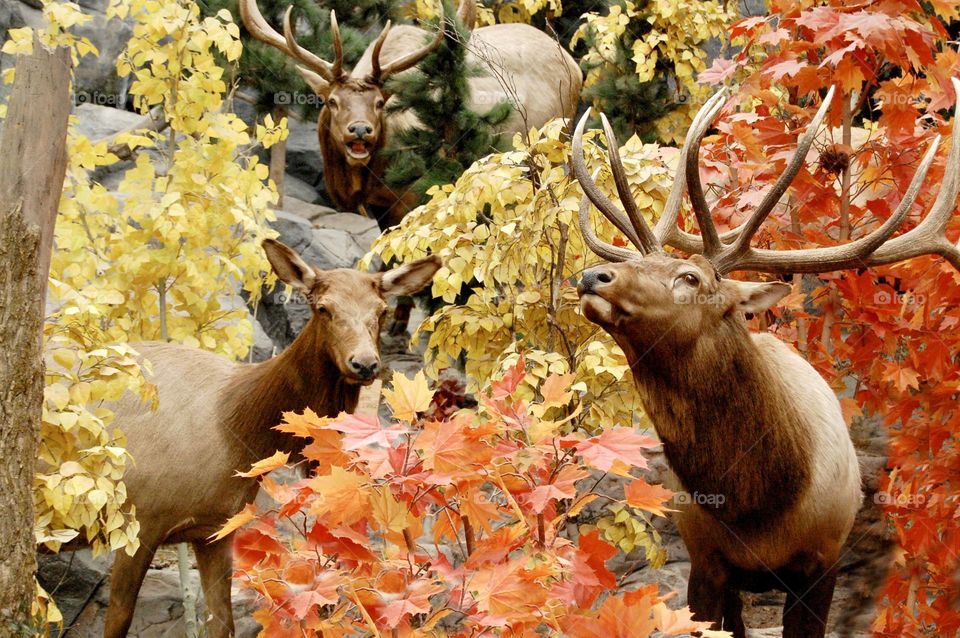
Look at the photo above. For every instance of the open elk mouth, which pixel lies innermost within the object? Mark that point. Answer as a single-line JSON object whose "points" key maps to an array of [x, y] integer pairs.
{"points": [[358, 149]]}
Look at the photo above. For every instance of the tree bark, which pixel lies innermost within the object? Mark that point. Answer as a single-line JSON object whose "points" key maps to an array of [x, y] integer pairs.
{"points": [[33, 162]]}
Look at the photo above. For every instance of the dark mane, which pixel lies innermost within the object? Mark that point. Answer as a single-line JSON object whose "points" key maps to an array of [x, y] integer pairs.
{"points": [[720, 407]]}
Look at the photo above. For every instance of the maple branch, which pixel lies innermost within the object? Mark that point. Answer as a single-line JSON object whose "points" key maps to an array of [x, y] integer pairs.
{"points": [[468, 535]]}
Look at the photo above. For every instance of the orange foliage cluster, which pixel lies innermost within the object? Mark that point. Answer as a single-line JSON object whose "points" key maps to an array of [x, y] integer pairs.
{"points": [[891, 334], [449, 528]]}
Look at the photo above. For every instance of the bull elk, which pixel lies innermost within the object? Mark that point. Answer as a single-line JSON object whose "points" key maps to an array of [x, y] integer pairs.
{"points": [[215, 418], [741, 414], [525, 66]]}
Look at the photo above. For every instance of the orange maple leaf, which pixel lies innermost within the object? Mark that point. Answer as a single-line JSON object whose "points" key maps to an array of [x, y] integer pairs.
{"points": [[648, 497]]}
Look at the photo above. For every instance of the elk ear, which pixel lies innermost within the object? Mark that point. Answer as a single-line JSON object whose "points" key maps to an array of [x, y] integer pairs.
{"points": [[289, 265], [757, 297], [316, 82], [409, 278]]}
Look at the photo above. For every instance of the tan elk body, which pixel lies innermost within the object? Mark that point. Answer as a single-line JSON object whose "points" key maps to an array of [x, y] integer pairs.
{"points": [[520, 64], [216, 417], [751, 430]]}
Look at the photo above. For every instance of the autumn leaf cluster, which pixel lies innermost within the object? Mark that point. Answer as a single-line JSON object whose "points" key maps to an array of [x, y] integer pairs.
{"points": [[452, 527]]}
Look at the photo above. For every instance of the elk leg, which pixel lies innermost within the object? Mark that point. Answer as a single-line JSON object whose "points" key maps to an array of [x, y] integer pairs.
{"points": [[733, 613], [706, 590], [807, 607], [215, 561], [126, 577]]}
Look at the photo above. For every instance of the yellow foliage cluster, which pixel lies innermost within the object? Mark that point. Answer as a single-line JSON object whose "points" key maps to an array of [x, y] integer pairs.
{"points": [[496, 12], [673, 31], [507, 231], [164, 256]]}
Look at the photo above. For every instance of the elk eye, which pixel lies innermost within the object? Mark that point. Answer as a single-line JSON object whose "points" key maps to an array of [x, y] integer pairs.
{"points": [[332, 102], [379, 103], [323, 309], [690, 279]]}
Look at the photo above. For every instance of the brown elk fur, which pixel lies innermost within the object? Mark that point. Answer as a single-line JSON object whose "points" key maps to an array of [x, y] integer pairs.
{"points": [[216, 417]]}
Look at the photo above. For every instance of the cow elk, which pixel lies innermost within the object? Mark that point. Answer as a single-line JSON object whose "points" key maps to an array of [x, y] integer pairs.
{"points": [[522, 64], [216, 417], [741, 414]]}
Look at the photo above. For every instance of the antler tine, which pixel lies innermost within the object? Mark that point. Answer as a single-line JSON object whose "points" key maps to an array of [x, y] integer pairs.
{"points": [[330, 72], [644, 234], [928, 237], [601, 248], [850, 255], [708, 231], [591, 190], [666, 230], [411, 59], [753, 223], [377, 46]]}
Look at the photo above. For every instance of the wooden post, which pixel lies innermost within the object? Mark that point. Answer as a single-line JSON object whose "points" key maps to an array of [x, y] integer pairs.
{"points": [[33, 163]]}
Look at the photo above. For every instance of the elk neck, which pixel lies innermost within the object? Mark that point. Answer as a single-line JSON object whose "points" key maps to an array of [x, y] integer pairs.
{"points": [[728, 423], [302, 376]]}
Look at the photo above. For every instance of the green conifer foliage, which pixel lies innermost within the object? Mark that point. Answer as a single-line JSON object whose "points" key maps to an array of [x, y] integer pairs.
{"points": [[452, 136]]}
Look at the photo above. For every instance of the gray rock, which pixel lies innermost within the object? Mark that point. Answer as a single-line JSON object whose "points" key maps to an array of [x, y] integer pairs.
{"points": [[363, 229], [95, 79], [310, 212], [303, 151], [10, 17], [72, 578], [97, 121], [294, 187]]}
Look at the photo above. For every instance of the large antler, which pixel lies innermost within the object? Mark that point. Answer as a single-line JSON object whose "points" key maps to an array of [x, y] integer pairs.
{"points": [[731, 251], [261, 30], [312, 63]]}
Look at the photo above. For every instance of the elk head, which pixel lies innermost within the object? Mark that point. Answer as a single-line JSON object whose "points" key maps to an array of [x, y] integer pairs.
{"points": [[352, 110], [348, 306], [642, 296]]}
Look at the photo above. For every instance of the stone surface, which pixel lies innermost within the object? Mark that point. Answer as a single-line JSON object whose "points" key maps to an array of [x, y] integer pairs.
{"points": [[303, 151], [10, 17], [72, 578], [294, 187], [99, 121]]}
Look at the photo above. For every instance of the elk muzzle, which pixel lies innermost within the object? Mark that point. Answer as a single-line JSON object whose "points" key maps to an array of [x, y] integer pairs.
{"points": [[364, 368]]}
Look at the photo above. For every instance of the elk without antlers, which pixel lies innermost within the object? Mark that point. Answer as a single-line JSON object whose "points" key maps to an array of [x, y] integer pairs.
{"points": [[731, 251]]}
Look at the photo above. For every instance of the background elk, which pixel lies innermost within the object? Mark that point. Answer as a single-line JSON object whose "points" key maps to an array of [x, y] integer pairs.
{"points": [[741, 414], [521, 64], [215, 418]]}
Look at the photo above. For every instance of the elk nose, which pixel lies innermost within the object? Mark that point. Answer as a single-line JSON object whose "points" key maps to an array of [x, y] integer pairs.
{"points": [[364, 368], [594, 277], [360, 129]]}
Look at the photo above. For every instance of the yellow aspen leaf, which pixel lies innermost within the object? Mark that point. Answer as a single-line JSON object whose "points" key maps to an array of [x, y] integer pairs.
{"points": [[408, 396]]}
